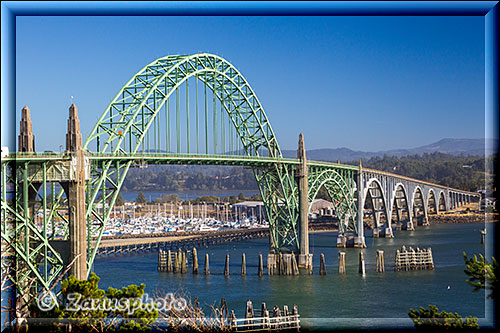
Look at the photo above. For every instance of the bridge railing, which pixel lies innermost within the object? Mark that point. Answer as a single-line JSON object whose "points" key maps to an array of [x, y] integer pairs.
{"points": [[389, 174]]}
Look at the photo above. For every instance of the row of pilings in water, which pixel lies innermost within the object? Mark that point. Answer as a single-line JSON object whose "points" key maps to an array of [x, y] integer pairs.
{"points": [[286, 264], [179, 262]]}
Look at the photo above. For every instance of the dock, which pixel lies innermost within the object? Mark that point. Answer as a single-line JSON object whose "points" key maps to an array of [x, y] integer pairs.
{"points": [[127, 245]]}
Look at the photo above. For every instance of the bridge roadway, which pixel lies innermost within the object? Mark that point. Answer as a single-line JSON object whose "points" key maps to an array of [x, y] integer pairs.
{"points": [[194, 159]]}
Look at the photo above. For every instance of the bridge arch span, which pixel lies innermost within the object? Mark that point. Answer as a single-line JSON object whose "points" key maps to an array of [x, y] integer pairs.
{"points": [[128, 118], [340, 187], [132, 125], [432, 202], [442, 204], [400, 205], [374, 190], [419, 206]]}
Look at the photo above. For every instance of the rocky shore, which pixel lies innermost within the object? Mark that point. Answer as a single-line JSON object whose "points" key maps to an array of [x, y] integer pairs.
{"points": [[445, 218], [463, 218]]}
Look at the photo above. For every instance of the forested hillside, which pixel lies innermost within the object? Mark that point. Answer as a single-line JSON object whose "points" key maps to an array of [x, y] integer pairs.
{"points": [[193, 178], [462, 172]]}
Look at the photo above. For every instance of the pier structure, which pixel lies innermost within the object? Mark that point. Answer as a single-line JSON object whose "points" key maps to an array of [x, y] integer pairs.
{"points": [[136, 132], [124, 246], [413, 259]]}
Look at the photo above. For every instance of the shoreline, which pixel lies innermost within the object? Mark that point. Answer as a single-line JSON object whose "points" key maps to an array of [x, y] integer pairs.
{"points": [[456, 218]]}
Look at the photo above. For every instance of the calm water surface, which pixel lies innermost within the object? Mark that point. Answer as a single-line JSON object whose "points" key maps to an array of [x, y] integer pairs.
{"points": [[331, 300]]}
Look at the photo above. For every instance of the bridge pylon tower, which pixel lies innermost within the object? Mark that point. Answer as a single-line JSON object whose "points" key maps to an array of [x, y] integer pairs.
{"points": [[305, 258]]}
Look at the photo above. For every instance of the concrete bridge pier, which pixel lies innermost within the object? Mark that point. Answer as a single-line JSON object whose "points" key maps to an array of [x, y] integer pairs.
{"points": [[76, 197], [26, 143], [305, 258], [359, 240]]}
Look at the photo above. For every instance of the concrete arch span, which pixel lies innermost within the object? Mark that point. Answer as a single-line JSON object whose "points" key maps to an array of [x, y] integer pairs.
{"points": [[419, 207], [400, 208], [375, 200]]}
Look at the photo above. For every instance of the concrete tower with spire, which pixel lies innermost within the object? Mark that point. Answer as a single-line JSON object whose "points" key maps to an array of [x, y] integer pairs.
{"points": [[26, 142], [76, 196]]}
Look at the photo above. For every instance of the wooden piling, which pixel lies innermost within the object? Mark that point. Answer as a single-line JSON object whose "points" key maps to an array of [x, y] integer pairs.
{"points": [[177, 266], [341, 262], [483, 235], [169, 261], [195, 261], [288, 264], [362, 269], [295, 267], [380, 261], [271, 263], [161, 260], [263, 309], [249, 310], [206, 270], [322, 266], [261, 265], [295, 312], [243, 265], [226, 266], [281, 265], [183, 262]]}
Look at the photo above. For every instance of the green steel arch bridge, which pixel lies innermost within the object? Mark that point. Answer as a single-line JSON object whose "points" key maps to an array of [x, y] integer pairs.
{"points": [[184, 109]]}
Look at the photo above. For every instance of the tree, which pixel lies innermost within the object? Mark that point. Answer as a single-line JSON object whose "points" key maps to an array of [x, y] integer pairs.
{"points": [[89, 308], [425, 319], [482, 273], [119, 200], [140, 198], [482, 276]]}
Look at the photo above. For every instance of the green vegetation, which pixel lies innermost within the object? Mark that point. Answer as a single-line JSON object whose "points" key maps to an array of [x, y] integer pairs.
{"points": [[432, 318], [98, 313], [174, 198], [191, 179], [482, 274], [462, 172], [141, 198]]}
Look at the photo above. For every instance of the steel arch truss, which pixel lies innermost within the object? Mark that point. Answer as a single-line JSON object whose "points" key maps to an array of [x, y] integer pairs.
{"points": [[124, 125], [340, 185]]}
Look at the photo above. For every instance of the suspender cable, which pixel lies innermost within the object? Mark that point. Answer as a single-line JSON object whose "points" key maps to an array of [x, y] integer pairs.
{"points": [[197, 121], [214, 109], [154, 121], [223, 128], [206, 117], [178, 119], [187, 113], [167, 119]]}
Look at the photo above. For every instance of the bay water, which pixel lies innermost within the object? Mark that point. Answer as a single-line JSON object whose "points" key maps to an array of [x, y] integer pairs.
{"points": [[373, 300]]}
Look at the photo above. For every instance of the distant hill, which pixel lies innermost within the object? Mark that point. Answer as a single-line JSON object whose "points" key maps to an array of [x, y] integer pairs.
{"points": [[457, 147]]}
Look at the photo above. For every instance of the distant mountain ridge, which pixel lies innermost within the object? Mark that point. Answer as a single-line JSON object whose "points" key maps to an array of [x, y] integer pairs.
{"points": [[474, 147]]}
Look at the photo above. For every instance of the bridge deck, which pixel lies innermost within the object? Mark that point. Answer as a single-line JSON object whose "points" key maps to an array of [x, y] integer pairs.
{"points": [[196, 159]]}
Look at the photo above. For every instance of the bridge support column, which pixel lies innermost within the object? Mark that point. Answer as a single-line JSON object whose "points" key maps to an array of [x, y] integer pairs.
{"points": [[76, 198], [304, 255], [409, 224], [26, 143], [359, 241]]}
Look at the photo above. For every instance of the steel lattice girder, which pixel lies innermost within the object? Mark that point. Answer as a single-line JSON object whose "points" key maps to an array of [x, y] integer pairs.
{"points": [[29, 257]]}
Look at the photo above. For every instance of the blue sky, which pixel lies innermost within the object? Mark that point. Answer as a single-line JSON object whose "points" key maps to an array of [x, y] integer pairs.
{"points": [[366, 83]]}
